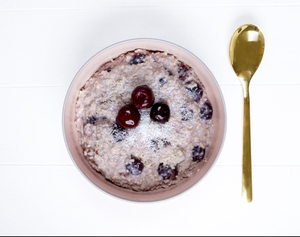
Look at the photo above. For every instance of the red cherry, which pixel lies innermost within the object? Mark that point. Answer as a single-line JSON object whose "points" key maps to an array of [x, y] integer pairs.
{"points": [[142, 97], [128, 117]]}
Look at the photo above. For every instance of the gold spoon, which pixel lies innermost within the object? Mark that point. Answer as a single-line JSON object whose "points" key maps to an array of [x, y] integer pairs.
{"points": [[246, 51]]}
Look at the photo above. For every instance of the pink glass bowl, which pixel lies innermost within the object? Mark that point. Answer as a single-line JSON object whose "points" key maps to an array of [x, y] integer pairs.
{"points": [[214, 95]]}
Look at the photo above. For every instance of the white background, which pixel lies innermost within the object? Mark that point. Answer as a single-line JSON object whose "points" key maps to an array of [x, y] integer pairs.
{"points": [[42, 46]]}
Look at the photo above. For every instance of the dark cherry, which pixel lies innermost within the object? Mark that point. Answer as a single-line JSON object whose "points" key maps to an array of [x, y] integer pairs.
{"points": [[137, 59], [135, 166], [187, 114], [198, 153], [160, 112], [166, 172], [142, 97], [183, 71], [206, 111], [118, 132], [128, 117], [163, 80], [91, 120], [194, 89]]}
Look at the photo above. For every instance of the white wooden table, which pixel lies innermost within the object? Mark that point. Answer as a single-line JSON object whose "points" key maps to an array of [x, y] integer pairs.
{"points": [[42, 46]]}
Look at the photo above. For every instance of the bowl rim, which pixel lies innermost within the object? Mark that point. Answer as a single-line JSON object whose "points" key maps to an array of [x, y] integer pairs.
{"points": [[138, 40]]}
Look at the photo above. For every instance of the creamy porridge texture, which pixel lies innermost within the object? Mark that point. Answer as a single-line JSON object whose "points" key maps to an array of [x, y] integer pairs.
{"points": [[154, 154]]}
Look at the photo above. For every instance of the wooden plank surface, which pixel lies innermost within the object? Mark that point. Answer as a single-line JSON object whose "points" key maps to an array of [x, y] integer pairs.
{"points": [[57, 200], [42, 46]]}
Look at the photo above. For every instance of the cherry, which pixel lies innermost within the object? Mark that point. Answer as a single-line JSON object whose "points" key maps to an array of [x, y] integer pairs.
{"points": [[128, 117], [142, 97], [160, 112]]}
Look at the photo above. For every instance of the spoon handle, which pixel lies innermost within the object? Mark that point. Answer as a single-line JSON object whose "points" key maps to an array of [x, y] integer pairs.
{"points": [[247, 166]]}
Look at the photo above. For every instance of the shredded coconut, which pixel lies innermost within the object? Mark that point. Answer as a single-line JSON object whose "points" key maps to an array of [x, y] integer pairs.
{"points": [[147, 130]]}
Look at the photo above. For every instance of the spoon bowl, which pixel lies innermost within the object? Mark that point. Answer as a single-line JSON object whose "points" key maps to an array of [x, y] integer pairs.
{"points": [[246, 52]]}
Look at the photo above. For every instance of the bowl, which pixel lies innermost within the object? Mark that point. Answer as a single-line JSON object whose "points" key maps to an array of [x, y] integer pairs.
{"points": [[113, 51]]}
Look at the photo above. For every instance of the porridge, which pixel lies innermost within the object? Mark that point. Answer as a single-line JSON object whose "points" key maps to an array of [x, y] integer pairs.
{"points": [[144, 120]]}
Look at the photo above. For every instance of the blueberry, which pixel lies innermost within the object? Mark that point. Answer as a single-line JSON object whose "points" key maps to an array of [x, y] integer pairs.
{"points": [[137, 59], [166, 172], [206, 111], [154, 145], [108, 69], [166, 142], [135, 166], [194, 89], [198, 153], [169, 72], [119, 133], [91, 120], [163, 80], [183, 71], [187, 114], [102, 119]]}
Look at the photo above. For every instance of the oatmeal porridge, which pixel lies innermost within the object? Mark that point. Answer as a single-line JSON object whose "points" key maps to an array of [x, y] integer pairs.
{"points": [[144, 120]]}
